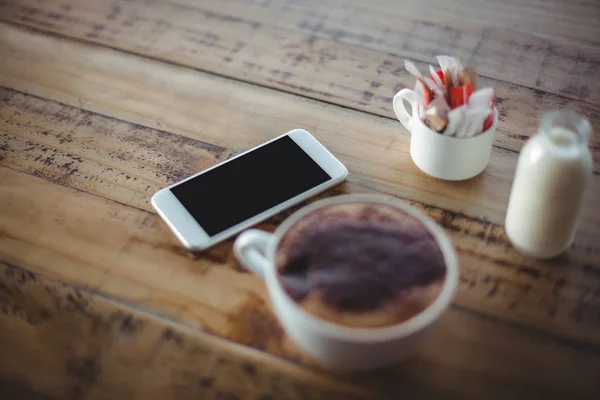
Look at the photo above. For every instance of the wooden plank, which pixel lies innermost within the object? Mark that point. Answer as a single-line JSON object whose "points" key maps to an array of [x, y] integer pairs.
{"points": [[318, 65], [447, 365], [193, 104], [194, 97], [67, 342], [60, 338], [83, 150], [576, 21], [544, 296], [473, 31]]}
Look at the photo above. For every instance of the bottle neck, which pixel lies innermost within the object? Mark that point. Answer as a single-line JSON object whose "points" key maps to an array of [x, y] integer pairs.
{"points": [[565, 129]]}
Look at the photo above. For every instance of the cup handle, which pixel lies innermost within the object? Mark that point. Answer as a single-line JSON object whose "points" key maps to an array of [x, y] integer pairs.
{"points": [[249, 248], [400, 109]]}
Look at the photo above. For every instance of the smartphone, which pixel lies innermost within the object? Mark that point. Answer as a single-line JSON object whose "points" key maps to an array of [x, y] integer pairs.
{"points": [[215, 204]]}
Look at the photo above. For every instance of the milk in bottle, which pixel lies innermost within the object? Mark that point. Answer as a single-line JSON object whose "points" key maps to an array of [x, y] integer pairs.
{"points": [[553, 170]]}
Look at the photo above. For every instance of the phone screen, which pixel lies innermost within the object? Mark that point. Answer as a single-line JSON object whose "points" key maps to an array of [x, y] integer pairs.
{"points": [[249, 185]]}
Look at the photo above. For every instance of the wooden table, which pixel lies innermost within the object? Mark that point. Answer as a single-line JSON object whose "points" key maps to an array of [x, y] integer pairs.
{"points": [[105, 102]]}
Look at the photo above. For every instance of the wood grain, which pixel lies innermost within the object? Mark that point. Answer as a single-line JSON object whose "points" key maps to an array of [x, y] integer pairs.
{"points": [[500, 281], [314, 64], [61, 341], [198, 295], [98, 300], [553, 18], [472, 30], [219, 111], [68, 146]]}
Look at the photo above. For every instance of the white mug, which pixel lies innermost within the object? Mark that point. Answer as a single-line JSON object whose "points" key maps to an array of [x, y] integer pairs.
{"points": [[340, 346], [443, 157]]}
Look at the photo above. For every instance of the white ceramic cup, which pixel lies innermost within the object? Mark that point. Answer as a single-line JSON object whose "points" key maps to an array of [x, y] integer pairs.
{"points": [[340, 346], [443, 157]]}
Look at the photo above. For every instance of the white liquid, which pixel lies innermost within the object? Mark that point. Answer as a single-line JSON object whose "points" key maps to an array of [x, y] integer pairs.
{"points": [[547, 194]]}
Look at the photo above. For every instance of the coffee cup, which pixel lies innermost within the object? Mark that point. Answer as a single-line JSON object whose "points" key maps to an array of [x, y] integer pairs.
{"points": [[443, 157], [335, 344]]}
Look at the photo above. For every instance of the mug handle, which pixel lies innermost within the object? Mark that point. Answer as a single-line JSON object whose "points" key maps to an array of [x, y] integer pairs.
{"points": [[249, 248], [400, 109]]}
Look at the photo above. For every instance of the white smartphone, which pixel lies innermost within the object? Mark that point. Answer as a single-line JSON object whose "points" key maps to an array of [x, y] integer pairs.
{"points": [[215, 204]]}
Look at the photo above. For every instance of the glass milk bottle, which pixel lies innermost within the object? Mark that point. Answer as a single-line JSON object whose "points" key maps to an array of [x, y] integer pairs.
{"points": [[553, 170]]}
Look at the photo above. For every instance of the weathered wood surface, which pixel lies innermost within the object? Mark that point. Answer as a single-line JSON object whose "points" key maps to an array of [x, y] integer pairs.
{"points": [[87, 134], [117, 150], [202, 294], [290, 47], [63, 341]]}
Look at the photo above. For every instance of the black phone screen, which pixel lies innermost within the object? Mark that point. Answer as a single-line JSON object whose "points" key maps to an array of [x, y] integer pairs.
{"points": [[249, 185]]}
